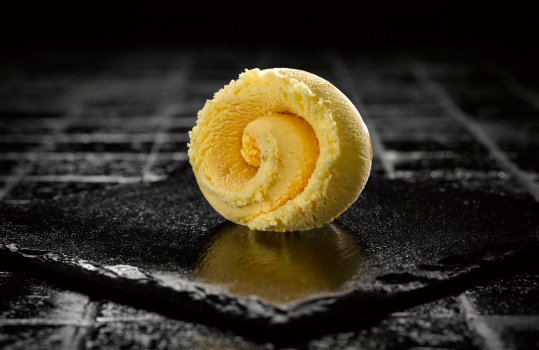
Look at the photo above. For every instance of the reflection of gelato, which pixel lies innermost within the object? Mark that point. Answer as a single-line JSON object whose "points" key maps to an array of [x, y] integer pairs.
{"points": [[279, 268], [280, 150]]}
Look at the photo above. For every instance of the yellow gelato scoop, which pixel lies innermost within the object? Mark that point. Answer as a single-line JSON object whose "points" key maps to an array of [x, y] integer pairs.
{"points": [[280, 150]]}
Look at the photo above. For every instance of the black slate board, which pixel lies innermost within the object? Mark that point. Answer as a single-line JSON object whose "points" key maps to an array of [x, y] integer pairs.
{"points": [[417, 243]]}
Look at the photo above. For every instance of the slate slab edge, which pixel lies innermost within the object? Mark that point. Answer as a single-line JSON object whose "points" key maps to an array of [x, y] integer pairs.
{"points": [[382, 294]]}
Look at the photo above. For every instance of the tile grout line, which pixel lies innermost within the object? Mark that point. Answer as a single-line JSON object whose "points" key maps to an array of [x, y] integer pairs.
{"points": [[516, 87], [86, 178], [106, 320], [164, 122], [22, 171], [160, 137], [62, 123], [424, 79], [93, 137], [64, 156], [76, 336], [38, 322], [341, 71], [15, 178], [490, 339]]}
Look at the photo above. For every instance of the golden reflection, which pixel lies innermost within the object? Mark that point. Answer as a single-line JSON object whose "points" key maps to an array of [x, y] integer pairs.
{"points": [[279, 267]]}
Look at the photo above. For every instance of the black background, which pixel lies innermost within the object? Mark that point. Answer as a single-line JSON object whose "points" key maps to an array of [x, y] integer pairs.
{"points": [[501, 26]]}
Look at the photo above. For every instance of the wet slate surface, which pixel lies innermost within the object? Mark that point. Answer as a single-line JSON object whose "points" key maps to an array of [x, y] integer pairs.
{"points": [[417, 243], [163, 225], [168, 224]]}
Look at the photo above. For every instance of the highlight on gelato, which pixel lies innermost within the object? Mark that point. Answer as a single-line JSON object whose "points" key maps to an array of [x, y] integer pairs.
{"points": [[280, 150]]}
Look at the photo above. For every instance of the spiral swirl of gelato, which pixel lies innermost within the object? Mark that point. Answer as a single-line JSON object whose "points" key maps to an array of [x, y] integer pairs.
{"points": [[280, 150]]}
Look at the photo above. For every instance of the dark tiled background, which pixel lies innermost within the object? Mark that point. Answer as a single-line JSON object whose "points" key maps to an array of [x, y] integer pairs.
{"points": [[74, 123]]}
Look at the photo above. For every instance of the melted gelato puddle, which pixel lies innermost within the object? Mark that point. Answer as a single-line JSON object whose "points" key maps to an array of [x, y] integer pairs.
{"points": [[279, 268]]}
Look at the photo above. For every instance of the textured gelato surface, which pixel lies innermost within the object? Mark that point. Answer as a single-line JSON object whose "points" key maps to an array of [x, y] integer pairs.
{"points": [[280, 150]]}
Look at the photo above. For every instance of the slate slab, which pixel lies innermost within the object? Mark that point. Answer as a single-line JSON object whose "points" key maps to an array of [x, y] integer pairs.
{"points": [[160, 246]]}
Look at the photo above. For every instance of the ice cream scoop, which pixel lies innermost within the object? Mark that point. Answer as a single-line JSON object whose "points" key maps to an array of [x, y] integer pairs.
{"points": [[280, 150]]}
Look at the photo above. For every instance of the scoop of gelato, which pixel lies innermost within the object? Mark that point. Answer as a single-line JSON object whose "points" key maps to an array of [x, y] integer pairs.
{"points": [[280, 150]]}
